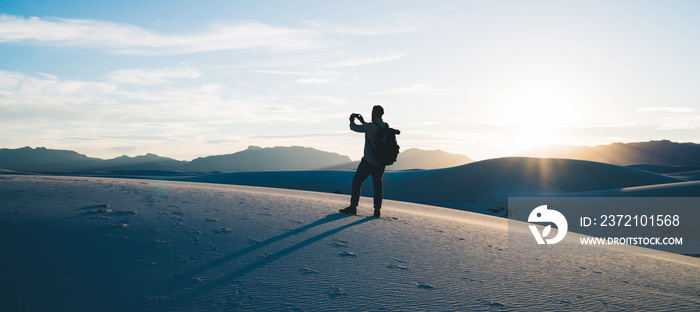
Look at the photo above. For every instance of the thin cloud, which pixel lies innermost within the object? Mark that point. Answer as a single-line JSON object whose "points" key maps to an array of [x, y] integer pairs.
{"points": [[394, 24], [302, 135], [299, 73], [603, 125], [47, 76], [412, 89], [126, 137], [667, 109], [325, 100], [133, 40], [152, 77], [687, 122], [23, 85], [314, 80], [279, 108], [328, 60], [315, 77], [422, 88], [362, 61], [34, 102], [684, 125]]}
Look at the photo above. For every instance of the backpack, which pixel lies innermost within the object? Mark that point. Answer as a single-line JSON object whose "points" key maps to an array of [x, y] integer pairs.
{"points": [[387, 149]]}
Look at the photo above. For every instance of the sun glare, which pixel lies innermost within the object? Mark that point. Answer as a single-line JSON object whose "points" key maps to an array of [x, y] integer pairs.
{"points": [[539, 116]]}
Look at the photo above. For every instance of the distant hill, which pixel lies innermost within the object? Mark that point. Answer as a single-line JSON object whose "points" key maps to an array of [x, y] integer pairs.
{"points": [[144, 162], [662, 152], [43, 159], [273, 158]]}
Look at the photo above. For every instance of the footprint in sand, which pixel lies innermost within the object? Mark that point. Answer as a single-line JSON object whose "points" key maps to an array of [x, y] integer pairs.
{"points": [[425, 286], [337, 293], [347, 254], [339, 243], [399, 266], [307, 271]]}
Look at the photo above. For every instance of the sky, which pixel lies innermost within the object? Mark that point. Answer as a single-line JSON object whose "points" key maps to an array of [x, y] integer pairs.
{"points": [[486, 79]]}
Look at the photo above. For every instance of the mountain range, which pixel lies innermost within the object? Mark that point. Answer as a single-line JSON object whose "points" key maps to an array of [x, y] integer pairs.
{"points": [[656, 153], [273, 158], [254, 158], [662, 152]]}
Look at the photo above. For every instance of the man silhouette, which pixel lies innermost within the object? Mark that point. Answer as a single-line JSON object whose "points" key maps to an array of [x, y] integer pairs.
{"points": [[369, 164]]}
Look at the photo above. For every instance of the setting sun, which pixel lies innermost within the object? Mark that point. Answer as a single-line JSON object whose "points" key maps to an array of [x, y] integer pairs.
{"points": [[538, 116]]}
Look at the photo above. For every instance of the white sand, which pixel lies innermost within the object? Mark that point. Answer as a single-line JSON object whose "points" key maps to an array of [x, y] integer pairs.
{"points": [[96, 244]]}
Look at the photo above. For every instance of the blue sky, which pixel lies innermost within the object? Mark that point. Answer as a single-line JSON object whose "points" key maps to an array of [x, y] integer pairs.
{"points": [[482, 78]]}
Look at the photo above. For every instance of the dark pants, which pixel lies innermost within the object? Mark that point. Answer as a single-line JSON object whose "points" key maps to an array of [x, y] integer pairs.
{"points": [[364, 170]]}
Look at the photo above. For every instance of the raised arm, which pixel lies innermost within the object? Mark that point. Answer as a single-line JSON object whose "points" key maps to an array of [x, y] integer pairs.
{"points": [[355, 127]]}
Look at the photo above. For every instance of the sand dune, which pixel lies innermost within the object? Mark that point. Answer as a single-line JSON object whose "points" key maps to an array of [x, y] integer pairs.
{"points": [[679, 189], [663, 152], [687, 175], [97, 244], [477, 186], [665, 169]]}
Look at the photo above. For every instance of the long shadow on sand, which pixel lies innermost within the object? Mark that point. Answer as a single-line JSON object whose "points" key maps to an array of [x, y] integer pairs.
{"points": [[270, 241], [228, 278]]}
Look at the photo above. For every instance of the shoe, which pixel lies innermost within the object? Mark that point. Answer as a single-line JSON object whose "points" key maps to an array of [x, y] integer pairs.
{"points": [[351, 210], [377, 214]]}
